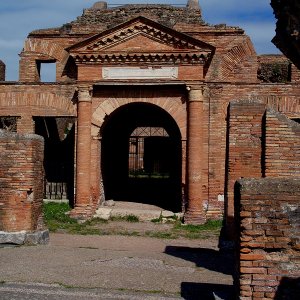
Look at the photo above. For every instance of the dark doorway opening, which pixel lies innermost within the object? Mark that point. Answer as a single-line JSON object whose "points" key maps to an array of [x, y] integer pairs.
{"points": [[141, 156], [59, 135]]}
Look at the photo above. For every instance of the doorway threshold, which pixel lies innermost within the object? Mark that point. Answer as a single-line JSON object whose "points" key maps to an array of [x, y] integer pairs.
{"points": [[144, 212]]}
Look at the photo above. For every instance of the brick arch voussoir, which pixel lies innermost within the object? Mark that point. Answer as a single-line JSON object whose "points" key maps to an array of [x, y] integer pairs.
{"points": [[235, 56], [37, 103], [51, 49], [174, 108]]}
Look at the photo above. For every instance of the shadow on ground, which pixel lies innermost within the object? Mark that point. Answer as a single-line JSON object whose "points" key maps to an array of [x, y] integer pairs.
{"points": [[206, 291], [210, 259], [221, 262]]}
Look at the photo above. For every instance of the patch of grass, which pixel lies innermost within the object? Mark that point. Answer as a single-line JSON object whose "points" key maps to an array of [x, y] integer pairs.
{"points": [[159, 219], [57, 211], [132, 219], [129, 233], [209, 225], [160, 235], [56, 219], [127, 218], [66, 286]]}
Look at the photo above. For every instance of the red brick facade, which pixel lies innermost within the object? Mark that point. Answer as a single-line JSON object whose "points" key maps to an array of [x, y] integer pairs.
{"points": [[186, 70]]}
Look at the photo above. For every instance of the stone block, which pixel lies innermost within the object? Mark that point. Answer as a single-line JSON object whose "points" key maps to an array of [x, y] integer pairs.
{"points": [[16, 238]]}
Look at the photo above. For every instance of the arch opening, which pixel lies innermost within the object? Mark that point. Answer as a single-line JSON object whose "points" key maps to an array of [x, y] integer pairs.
{"points": [[142, 156]]}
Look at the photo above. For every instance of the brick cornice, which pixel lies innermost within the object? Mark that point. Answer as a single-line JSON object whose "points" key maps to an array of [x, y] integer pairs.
{"points": [[145, 58]]}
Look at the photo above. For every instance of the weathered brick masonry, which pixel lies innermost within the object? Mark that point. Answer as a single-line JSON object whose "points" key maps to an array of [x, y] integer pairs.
{"points": [[208, 80], [269, 238], [21, 181], [262, 142], [282, 146]]}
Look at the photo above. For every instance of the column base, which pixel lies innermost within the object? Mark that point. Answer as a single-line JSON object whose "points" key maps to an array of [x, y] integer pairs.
{"points": [[82, 212], [194, 217]]}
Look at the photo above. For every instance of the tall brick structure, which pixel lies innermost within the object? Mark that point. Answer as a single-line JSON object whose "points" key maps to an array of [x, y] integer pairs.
{"points": [[21, 193], [163, 72]]}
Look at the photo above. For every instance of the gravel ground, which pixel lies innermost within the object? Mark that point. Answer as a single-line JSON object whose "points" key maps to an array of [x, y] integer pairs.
{"points": [[180, 268]]}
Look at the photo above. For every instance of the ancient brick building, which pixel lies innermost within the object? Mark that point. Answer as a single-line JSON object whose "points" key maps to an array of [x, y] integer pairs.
{"points": [[144, 107]]}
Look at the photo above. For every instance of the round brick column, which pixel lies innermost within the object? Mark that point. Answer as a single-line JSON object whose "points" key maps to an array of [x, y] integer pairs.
{"points": [[195, 212], [83, 199]]}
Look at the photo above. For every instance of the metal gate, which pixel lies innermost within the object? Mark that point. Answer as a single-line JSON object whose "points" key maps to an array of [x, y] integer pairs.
{"points": [[146, 159]]}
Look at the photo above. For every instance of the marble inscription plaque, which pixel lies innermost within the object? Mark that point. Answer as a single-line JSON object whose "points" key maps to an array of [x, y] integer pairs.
{"points": [[140, 72]]}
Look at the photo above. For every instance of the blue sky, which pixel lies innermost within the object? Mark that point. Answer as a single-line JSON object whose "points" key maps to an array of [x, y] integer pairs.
{"points": [[19, 17]]}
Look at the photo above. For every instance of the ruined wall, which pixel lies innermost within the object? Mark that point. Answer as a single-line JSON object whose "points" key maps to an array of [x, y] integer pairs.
{"points": [[2, 71], [282, 146], [287, 28], [21, 181], [244, 146], [281, 97], [268, 216], [108, 18]]}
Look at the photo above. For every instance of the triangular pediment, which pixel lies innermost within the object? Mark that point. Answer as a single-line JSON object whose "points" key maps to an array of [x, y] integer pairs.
{"points": [[139, 42], [140, 36]]}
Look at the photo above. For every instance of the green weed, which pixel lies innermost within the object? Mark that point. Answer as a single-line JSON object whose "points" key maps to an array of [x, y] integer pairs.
{"points": [[127, 218]]}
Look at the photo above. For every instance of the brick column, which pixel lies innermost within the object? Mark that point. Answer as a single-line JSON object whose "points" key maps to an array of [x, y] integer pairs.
{"points": [[195, 212], [96, 172], [83, 199]]}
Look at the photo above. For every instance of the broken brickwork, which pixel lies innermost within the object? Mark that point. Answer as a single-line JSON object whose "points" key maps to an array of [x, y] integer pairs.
{"points": [[268, 216], [261, 143], [21, 182]]}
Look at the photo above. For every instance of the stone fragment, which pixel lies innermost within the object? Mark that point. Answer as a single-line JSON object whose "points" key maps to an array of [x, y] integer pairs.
{"points": [[37, 238], [109, 203], [103, 213], [16, 238]]}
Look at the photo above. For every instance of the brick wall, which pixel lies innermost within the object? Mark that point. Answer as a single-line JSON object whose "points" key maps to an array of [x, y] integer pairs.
{"points": [[21, 181], [282, 146], [268, 216], [281, 97], [244, 145]]}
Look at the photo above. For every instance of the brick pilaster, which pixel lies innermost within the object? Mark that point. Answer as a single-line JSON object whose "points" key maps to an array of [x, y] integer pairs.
{"points": [[195, 212]]}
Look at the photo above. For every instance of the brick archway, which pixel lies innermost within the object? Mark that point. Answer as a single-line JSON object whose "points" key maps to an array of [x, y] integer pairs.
{"points": [[158, 177], [174, 106]]}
